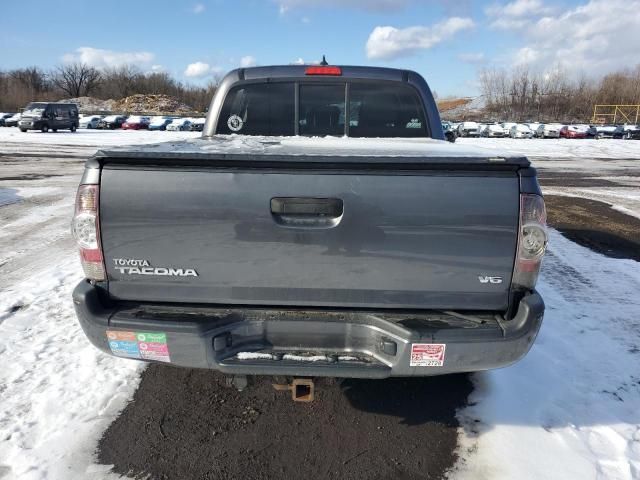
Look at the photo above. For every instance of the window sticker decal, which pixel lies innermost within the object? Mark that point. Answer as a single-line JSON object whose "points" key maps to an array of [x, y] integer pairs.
{"points": [[235, 123]]}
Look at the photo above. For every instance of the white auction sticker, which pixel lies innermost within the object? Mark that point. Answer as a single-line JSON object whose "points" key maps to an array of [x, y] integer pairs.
{"points": [[427, 354]]}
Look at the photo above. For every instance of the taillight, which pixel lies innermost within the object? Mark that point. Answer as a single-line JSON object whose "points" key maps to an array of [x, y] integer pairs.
{"points": [[85, 228], [532, 241], [335, 71]]}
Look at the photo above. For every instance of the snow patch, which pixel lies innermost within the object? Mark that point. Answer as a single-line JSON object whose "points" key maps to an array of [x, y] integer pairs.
{"points": [[306, 358], [559, 147], [60, 392], [254, 356], [570, 408]]}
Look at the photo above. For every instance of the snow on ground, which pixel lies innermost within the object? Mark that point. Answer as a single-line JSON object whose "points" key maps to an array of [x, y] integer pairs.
{"points": [[11, 138], [571, 408], [59, 393], [560, 147]]}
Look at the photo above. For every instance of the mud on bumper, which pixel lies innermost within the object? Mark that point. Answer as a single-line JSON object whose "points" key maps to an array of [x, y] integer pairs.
{"points": [[268, 341]]}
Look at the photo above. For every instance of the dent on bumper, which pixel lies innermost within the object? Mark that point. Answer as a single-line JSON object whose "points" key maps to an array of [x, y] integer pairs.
{"points": [[376, 347]]}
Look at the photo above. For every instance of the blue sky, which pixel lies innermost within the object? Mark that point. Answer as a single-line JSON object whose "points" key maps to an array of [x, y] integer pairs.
{"points": [[447, 42]]}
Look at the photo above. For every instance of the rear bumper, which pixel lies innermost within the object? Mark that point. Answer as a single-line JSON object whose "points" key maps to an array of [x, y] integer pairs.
{"points": [[364, 344]]}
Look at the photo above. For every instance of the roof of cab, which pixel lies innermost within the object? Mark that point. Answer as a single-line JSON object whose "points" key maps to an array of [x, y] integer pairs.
{"points": [[288, 71]]}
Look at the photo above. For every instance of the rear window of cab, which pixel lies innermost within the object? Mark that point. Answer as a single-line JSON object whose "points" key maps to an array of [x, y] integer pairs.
{"points": [[356, 109]]}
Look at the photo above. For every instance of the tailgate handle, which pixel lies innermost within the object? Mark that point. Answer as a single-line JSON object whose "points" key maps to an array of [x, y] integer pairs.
{"points": [[307, 212]]}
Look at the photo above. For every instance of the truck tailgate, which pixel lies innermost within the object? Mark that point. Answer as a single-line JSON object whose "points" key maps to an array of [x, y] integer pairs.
{"points": [[356, 237]]}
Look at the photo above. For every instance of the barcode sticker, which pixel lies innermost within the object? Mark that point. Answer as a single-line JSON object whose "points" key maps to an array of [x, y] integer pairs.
{"points": [[427, 355]]}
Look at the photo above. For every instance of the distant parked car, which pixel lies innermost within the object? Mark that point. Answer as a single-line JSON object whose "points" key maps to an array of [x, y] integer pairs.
{"points": [[549, 130], [631, 132], [13, 120], [112, 122], [3, 117], [572, 131], [534, 127], [90, 121], [160, 123], [605, 131], [493, 130], [521, 130], [468, 129], [136, 122], [197, 125], [179, 125], [450, 133], [506, 127], [592, 132], [45, 116]]}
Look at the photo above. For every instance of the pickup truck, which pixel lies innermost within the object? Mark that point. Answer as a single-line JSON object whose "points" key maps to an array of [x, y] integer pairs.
{"points": [[321, 226]]}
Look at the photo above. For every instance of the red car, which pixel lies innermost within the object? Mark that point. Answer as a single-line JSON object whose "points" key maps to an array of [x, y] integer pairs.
{"points": [[136, 123], [571, 131]]}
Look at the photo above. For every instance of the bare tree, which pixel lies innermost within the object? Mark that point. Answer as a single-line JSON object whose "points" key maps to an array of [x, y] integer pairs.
{"points": [[76, 79], [32, 78], [120, 82]]}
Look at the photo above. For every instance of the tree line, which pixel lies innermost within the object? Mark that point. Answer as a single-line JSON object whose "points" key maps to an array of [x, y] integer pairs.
{"points": [[522, 95], [20, 86]]}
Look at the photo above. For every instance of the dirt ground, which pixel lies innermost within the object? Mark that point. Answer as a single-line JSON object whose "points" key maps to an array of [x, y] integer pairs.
{"points": [[189, 424], [595, 225]]}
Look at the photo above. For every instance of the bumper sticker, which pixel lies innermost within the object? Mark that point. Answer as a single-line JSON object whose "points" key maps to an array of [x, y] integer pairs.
{"points": [[427, 355], [142, 345]]}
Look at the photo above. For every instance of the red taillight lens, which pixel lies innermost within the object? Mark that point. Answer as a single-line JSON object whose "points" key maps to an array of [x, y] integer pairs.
{"points": [[85, 228], [532, 241], [336, 71]]}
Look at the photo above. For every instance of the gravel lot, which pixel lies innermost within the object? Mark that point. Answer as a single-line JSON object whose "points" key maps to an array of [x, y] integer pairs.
{"points": [[189, 424]]}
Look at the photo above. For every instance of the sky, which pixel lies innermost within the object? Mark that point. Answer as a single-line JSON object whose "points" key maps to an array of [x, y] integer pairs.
{"points": [[448, 42]]}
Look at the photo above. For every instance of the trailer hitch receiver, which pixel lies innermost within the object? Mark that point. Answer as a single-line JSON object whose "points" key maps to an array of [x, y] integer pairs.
{"points": [[302, 389]]}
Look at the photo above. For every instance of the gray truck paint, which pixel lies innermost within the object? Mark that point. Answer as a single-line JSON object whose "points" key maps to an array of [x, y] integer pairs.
{"points": [[340, 246], [410, 241]]}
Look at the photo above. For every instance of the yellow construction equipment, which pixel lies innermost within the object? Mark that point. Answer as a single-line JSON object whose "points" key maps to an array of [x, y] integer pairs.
{"points": [[616, 114]]}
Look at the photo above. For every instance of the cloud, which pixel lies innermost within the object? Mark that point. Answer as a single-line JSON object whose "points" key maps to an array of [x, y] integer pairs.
{"points": [[301, 61], [593, 38], [248, 61], [526, 56], [516, 14], [200, 69], [518, 8], [390, 42], [367, 5], [471, 57], [198, 8], [100, 58]]}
